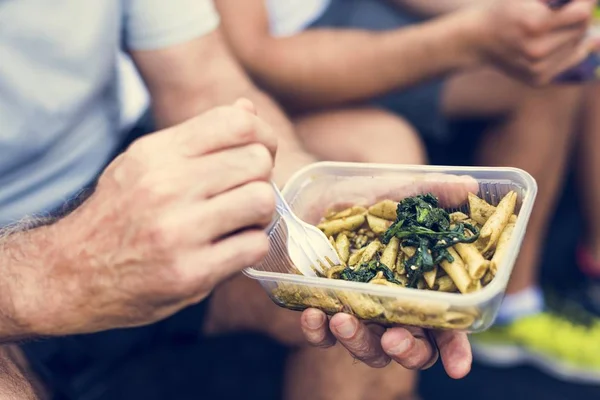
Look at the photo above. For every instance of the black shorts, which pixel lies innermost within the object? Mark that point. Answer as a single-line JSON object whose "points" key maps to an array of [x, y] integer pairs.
{"points": [[420, 104], [83, 367]]}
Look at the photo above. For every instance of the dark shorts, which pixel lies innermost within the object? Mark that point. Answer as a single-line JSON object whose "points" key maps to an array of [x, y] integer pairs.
{"points": [[86, 367], [420, 104]]}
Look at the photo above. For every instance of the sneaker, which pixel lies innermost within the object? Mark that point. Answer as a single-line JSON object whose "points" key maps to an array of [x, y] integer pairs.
{"points": [[563, 348], [586, 295]]}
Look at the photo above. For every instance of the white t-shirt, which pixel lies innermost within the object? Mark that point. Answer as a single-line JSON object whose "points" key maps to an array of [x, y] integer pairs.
{"points": [[63, 86], [288, 17]]}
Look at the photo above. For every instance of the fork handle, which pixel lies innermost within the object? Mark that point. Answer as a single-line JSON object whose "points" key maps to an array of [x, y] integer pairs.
{"points": [[282, 207]]}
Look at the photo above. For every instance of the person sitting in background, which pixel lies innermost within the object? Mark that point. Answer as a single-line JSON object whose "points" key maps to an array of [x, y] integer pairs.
{"points": [[528, 328], [361, 78], [588, 253], [128, 255]]}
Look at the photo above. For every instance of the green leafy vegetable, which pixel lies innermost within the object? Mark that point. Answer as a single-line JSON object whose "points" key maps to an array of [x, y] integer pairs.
{"points": [[422, 224], [367, 271]]}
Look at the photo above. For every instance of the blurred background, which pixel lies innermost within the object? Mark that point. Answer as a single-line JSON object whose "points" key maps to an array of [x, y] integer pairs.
{"points": [[303, 54]]}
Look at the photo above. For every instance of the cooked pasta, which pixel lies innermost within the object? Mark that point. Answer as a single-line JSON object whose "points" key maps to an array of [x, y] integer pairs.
{"points": [[457, 252]]}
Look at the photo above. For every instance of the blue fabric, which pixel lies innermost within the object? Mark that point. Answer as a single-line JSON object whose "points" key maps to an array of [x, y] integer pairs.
{"points": [[420, 104]]}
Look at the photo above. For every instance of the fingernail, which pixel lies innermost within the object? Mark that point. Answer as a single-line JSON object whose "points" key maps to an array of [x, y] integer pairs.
{"points": [[400, 347], [346, 329], [315, 320]]}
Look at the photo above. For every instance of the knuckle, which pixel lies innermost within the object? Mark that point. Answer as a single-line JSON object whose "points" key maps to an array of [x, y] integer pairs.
{"points": [[242, 125], [533, 26], [263, 199], [258, 250], [188, 281], [261, 159], [536, 52]]}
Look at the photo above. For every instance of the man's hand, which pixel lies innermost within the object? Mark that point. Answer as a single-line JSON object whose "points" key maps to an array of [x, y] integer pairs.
{"points": [[530, 39], [412, 347], [178, 212]]}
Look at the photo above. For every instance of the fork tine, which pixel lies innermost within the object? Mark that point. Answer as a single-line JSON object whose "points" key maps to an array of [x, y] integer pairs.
{"points": [[324, 254], [314, 255]]}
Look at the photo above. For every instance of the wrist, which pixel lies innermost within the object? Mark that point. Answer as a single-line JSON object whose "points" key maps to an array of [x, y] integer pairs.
{"points": [[472, 35], [25, 300]]}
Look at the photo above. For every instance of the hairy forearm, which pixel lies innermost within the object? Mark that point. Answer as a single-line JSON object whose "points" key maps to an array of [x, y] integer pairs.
{"points": [[329, 67], [23, 252]]}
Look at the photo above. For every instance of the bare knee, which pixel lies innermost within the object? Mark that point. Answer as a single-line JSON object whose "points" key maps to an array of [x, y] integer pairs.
{"points": [[361, 135], [241, 305]]}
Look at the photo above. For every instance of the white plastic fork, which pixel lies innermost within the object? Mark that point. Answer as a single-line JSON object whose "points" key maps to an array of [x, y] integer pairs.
{"points": [[308, 247]]}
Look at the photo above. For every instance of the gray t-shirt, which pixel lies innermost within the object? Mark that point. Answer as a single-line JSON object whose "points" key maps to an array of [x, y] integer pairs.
{"points": [[60, 82]]}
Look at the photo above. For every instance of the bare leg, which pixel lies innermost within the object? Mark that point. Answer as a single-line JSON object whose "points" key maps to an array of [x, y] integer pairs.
{"points": [[589, 168], [338, 376], [241, 304], [360, 135], [534, 133]]}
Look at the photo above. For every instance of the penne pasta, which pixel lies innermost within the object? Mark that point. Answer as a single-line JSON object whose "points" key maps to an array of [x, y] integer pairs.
{"points": [[385, 209], [445, 284], [501, 247], [458, 217], [361, 305], [480, 210], [430, 276], [333, 271], [476, 264], [342, 246], [400, 267], [348, 212], [370, 251], [356, 257], [390, 254], [378, 225], [487, 278], [491, 230], [335, 226], [457, 272], [457, 320]]}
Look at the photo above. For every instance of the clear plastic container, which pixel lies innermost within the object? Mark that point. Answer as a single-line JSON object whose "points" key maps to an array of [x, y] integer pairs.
{"points": [[323, 186]]}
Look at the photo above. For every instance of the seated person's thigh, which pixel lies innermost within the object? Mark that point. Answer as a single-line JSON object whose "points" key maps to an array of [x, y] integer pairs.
{"points": [[420, 105]]}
